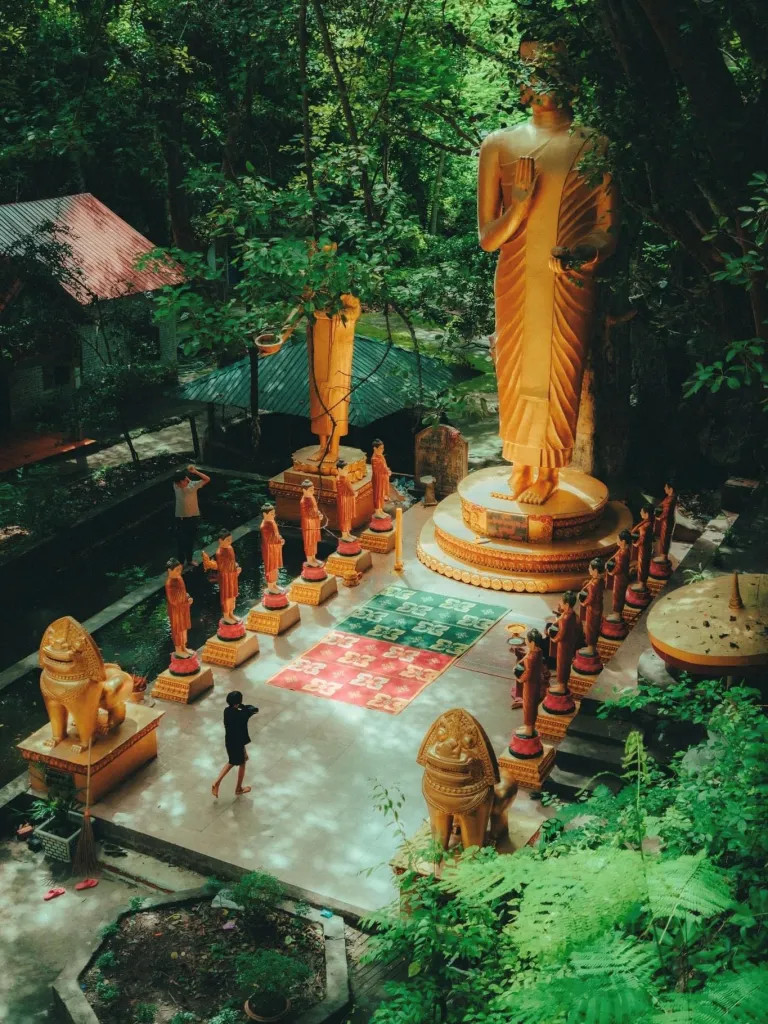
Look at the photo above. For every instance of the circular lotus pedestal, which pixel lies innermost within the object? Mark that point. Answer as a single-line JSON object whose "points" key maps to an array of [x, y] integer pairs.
{"points": [[349, 548], [184, 666], [713, 628], [313, 586], [637, 600], [274, 615], [184, 680], [658, 575], [482, 536], [380, 535], [528, 761], [613, 632], [585, 668], [230, 630], [556, 713]]}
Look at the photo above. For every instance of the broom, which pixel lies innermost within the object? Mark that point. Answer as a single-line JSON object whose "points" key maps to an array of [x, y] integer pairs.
{"points": [[85, 862]]}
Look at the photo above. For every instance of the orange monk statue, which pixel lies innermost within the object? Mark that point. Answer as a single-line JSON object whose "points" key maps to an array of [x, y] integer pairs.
{"points": [[345, 502], [228, 572], [381, 474], [618, 571], [311, 524], [642, 534], [553, 226], [271, 549], [591, 598], [565, 633], [525, 741], [331, 343], [178, 601]]}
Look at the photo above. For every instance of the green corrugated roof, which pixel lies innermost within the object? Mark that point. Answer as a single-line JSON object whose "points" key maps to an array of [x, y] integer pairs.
{"points": [[283, 381]]}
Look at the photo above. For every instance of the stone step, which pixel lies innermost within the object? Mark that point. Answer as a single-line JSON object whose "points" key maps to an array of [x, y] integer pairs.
{"points": [[602, 730], [586, 756], [567, 785]]}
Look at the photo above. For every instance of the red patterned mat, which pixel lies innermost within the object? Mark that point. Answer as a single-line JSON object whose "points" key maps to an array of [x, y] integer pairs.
{"points": [[360, 670]]}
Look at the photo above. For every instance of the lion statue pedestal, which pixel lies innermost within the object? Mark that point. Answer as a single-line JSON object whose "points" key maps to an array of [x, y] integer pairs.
{"points": [[90, 717]]}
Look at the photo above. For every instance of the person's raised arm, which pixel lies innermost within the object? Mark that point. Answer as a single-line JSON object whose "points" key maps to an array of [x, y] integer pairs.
{"points": [[202, 477]]}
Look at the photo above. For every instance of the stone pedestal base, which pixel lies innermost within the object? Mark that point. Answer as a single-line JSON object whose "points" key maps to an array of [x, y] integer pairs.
{"points": [[552, 726], [631, 615], [380, 542], [612, 635], [484, 537], [230, 653], [579, 684], [182, 689], [586, 664], [532, 772], [113, 757], [348, 565], [285, 488], [638, 597], [313, 592], [272, 621]]}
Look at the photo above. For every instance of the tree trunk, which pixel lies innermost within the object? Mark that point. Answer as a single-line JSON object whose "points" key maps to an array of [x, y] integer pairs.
{"points": [[171, 142], [436, 194]]}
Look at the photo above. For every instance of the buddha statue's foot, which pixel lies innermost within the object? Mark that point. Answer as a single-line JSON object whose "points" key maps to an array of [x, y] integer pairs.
{"points": [[348, 537], [538, 492], [50, 743], [520, 478], [380, 514], [274, 589]]}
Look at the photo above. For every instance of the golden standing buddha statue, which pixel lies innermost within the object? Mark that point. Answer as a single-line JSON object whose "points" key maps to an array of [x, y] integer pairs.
{"points": [[552, 227]]}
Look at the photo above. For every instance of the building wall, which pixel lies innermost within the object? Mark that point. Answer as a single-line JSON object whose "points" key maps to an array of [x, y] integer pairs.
{"points": [[25, 390]]}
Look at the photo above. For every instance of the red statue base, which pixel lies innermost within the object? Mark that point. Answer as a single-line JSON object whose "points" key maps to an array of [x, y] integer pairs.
{"points": [[230, 630], [661, 568], [381, 525], [274, 602], [184, 666], [587, 664], [313, 573], [349, 548], [614, 630], [559, 703], [525, 747], [638, 598]]}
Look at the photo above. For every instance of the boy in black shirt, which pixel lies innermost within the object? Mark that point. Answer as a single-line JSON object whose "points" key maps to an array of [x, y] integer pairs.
{"points": [[236, 716]]}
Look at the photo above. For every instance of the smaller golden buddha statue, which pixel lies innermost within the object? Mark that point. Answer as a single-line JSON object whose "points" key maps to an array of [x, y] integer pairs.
{"points": [[76, 681]]}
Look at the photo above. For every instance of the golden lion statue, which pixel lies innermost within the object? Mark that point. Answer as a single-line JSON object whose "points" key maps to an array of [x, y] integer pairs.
{"points": [[75, 681], [461, 780]]}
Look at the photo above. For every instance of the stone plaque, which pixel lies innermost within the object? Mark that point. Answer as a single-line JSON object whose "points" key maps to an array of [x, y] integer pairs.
{"points": [[441, 452]]}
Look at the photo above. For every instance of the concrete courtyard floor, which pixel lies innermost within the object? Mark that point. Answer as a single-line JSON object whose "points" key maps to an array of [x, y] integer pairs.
{"points": [[310, 817]]}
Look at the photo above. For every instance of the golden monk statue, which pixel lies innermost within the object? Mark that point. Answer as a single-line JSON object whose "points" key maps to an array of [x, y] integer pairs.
{"points": [[75, 681], [461, 780], [331, 343], [553, 227]]}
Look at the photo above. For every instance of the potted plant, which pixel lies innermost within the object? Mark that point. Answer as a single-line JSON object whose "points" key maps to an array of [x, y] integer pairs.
{"points": [[271, 978], [58, 824]]}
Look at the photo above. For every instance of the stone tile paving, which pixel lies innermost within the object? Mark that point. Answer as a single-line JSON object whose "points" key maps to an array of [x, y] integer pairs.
{"points": [[310, 818]]}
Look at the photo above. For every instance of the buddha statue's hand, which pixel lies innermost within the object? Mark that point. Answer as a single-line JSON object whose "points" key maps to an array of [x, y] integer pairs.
{"points": [[581, 257], [525, 180]]}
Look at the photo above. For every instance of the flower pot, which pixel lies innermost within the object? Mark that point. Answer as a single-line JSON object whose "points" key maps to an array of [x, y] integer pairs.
{"points": [[59, 847], [251, 1013]]}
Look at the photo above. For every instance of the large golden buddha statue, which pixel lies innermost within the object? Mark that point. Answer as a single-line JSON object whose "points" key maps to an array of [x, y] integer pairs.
{"points": [[553, 226]]}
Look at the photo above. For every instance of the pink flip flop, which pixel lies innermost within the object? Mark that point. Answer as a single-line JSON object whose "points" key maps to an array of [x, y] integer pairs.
{"points": [[87, 883], [53, 893]]}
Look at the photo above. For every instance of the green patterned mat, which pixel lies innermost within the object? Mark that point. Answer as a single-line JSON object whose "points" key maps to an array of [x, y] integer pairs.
{"points": [[429, 622]]}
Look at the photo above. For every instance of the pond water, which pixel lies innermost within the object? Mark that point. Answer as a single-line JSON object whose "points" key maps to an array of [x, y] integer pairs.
{"points": [[81, 583], [140, 640]]}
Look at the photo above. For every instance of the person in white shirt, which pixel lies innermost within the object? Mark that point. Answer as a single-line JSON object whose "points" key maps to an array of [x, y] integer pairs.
{"points": [[187, 511]]}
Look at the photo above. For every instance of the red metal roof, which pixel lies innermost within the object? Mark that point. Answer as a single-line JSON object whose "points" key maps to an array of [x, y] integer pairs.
{"points": [[104, 249]]}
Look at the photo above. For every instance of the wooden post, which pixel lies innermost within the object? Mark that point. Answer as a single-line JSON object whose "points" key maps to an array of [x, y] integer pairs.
{"points": [[398, 540], [195, 438]]}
